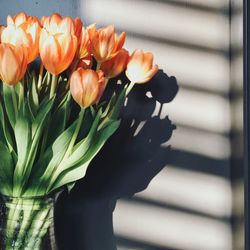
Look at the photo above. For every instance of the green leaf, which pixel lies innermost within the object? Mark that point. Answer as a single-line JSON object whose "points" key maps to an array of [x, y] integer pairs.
{"points": [[6, 170], [59, 149], [83, 146], [27, 156], [22, 132], [70, 186], [78, 171], [118, 105], [115, 110], [60, 118], [6, 132], [33, 99], [110, 105], [42, 113], [38, 126], [9, 105]]}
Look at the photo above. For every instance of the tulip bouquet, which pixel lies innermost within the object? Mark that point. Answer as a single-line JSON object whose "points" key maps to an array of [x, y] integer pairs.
{"points": [[55, 118]]}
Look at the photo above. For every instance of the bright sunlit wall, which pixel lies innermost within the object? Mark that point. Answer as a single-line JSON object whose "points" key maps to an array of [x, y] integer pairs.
{"points": [[191, 41]]}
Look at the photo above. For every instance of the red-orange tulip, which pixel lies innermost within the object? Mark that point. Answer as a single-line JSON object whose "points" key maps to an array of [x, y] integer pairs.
{"points": [[140, 67], [106, 43], [13, 63], [58, 42], [23, 30], [115, 65], [86, 86]]}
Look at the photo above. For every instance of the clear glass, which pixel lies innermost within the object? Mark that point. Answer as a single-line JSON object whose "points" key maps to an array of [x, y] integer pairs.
{"points": [[27, 223]]}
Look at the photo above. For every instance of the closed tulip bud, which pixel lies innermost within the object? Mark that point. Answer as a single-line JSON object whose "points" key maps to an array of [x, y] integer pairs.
{"points": [[106, 43], [25, 31], [13, 63], [86, 86], [140, 67], [115, 65], [58, 42]]}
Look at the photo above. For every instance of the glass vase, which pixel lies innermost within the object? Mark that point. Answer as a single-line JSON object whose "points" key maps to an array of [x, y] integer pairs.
{"points": [[27, 223]]}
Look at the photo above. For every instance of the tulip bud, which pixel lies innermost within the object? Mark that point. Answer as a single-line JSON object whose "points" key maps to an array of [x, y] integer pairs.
{"points": [[116, 65], [13, 63], [140, 67], [23, 30], [58, 42], [86, 86], [106, 43]]}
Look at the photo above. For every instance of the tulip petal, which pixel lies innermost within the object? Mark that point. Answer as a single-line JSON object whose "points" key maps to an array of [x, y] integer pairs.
{"points": [[13, 63], [121, 41], [91, 86], [67, 26], [20, 18], [76, 87], [10, 20], [50, 54], [68, 45]]}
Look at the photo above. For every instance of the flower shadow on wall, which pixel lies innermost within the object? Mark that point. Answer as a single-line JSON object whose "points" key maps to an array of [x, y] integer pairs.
{"points": [[125, 166]]}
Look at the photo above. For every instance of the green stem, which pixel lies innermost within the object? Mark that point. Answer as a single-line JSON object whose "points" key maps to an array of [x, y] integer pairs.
{"points": [[13, 215], [38, 229], [53, 86], [76, 132], [21, 94], [98, 65], [129, 88], [13, 94], [27, 224], [69, 149], [44, 141], [39, 84]]}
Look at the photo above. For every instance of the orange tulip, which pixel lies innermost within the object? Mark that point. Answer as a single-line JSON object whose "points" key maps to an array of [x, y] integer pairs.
{"points": [[1, 30], [91, 30], [106, 43], [58, 42], [23, 30], [115, 65], [86, 86], [13, 63], [85, 44], [140, 67], [86, 63]]}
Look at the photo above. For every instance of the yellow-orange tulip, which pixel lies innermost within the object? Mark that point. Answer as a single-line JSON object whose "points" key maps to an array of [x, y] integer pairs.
{"points": [[13, 63], [115, 65], [23, 30], [86, 86], [58, 42], [140, 67], [106, 43]]}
